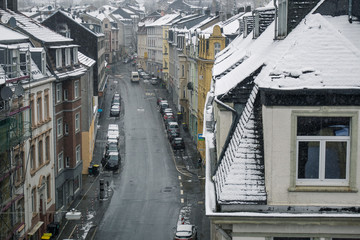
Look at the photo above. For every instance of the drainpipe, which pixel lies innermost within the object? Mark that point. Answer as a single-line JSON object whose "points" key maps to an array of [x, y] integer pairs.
{"points": [[350, 10], [276, 16], [224, 105]]}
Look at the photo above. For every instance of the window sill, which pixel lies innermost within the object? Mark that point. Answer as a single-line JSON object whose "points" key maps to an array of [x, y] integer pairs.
{"points": [[323, 189]]}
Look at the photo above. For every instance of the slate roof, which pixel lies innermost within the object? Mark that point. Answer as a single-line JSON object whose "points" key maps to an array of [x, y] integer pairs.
{"points": [[34, 28]]}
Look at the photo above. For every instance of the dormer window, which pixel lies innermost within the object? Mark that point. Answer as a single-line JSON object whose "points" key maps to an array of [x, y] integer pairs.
{"points": [[282, 19], [58, 58], [67, 57], [43, 63], [75, 55], [217, 48]]}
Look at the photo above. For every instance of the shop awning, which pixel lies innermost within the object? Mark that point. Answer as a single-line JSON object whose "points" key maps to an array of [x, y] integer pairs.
{"points": [[35, 228]]}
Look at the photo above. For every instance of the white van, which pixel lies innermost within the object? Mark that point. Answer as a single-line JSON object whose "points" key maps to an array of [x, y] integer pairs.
{"points": [[135, 77]]}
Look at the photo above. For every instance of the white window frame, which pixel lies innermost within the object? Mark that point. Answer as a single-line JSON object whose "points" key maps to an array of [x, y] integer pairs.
{"points": [[43, 62], [77, 122], [76, 89], [348, 184], [60, 161], [78, 153], [66, 128], [67, 57], [282, 18], [58, 92], [75, 55], [66, 95], [59, 127], [58, 58], [67, 162]]}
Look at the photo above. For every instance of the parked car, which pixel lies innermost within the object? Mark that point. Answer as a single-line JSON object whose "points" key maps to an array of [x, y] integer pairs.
{"points": [[154, 81], [112, 161], [185, 232], [112, 135], [113, 127], [177, 143], [169, 115], [115, 110], [163, 105], [172, 135], [111, 147], [159, 99], [168, 110], [115, 99], [173, 127]]}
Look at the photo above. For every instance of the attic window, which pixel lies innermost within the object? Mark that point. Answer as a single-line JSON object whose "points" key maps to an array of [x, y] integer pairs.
{"points": [[58, 58], [282, 19], [75, 55]]}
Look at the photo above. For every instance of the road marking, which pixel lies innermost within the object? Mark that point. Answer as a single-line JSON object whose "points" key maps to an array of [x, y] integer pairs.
{"points": [[200, 202], [149, 94], [141, 110], [182, 200], [179, 177], [181, 192]]}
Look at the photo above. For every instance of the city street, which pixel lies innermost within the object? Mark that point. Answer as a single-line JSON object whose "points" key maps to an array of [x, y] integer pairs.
{"points": [[155, 188]]}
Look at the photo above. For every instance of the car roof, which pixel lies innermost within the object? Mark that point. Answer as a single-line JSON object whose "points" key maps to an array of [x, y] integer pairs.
{"points": [[178, 139]]}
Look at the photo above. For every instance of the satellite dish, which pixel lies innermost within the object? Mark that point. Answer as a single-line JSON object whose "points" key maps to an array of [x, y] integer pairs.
{"points": [[91, 27], [6, 93], [4, 19], [19, 90]]}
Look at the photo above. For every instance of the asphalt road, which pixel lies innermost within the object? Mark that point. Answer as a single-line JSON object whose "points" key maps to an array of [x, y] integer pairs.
{"points": [[146, 192]]}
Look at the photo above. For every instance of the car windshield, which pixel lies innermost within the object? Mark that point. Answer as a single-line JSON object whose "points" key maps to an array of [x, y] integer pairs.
{"points": [[113, 158], [173, 126]]}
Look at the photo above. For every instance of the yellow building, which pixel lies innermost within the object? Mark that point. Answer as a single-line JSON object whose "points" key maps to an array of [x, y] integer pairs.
{"points": [[209, 46]]}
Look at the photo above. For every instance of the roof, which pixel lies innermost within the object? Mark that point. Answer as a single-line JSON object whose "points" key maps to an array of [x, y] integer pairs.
{"points": [[86, 61], [322, 52], [8, 35], [164, 20], [34, 29]]}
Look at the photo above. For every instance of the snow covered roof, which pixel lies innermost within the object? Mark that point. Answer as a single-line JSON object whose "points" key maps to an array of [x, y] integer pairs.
{"points": [[88, 62], [322, 52], [34, 29], [8, 35], [164, 20]]}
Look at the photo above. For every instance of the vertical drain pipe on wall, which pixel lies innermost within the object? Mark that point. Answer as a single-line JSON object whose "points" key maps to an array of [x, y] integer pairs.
{"points": [[276, 19]]}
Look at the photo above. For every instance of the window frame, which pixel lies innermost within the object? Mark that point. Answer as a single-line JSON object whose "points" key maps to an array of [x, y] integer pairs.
{"points": [[60, 161], [75, 55], [59, 127], [76, 89], [78, 153], [58, 58], [58, 92], [350, 185], [67, 57], [77, 122]]}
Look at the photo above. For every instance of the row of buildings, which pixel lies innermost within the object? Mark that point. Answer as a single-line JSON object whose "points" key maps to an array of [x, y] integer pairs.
{"points": [[180, 49], [52, 84]]}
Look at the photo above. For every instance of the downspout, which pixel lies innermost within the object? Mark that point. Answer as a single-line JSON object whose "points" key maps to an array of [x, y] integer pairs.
{"points": [[276, 19], [350, 10]]}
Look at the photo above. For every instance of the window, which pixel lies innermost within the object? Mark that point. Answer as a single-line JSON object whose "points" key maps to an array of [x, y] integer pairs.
{"points": [[39, 109], [33, 200], [60, 127], [32, 157], [78, 153], [106, 25], [60, 161], [182, 70], [67, 57], [77, 122], [66, 128], [66, 95], [217, 48], [67, 162], [58, 58], [48, 187], [19, 161], [40, 153], [32, 107], [75, 55], [282, 18], [47, 148], [46, 106], [323, 150], [43, 62], [76, 89], [58, 92]]}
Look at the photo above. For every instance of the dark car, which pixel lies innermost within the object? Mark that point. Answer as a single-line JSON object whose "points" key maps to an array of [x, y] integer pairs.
{"points": [[112, 161], [178, 143], [172, 135], [111, 147], [154, 81], [185, 232], [163, 105]]}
